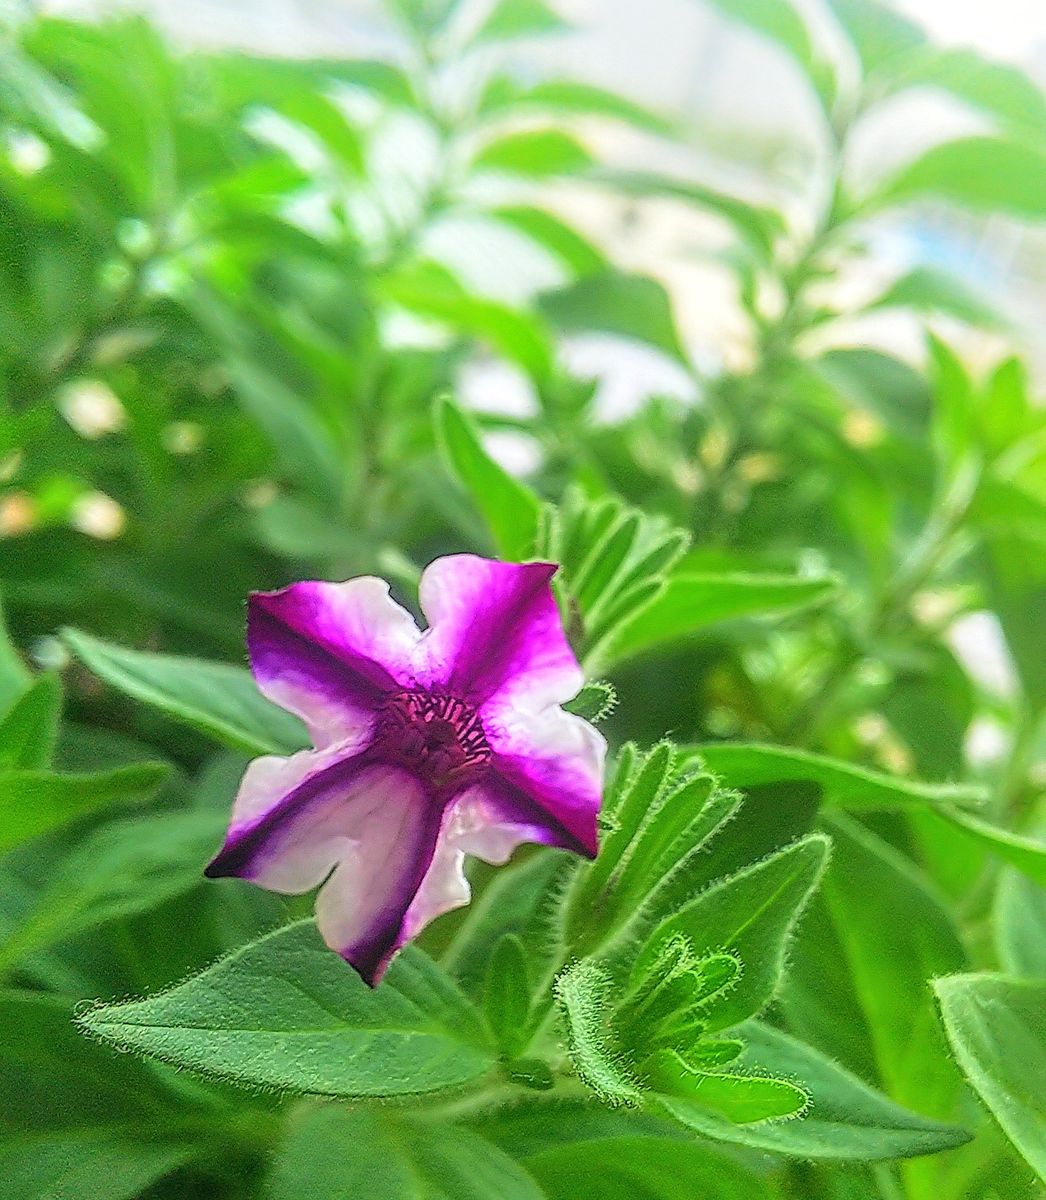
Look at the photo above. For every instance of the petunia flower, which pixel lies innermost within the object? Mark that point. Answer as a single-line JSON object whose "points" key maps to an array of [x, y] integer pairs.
{"points": [[429, 746]]}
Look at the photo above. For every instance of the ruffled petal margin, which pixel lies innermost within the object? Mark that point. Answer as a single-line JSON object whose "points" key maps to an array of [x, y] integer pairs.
{"points": [[553, 763], [495, 630]]}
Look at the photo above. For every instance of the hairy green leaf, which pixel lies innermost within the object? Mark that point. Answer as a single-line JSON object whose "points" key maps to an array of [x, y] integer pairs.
{"points": [[288, 1013], [751, 914], [739, 1099], [997, 1028], [846, 1119], [585, 995]]}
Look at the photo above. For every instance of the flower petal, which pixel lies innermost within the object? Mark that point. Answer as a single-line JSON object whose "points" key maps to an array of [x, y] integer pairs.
{"points": [[370, 827], [552, 764], [481, 822], [360, 910], [289, 818], [494, 629], [330, 652]]}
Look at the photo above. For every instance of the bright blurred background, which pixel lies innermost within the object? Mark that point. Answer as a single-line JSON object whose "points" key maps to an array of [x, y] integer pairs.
{"points": [[756, 283]]}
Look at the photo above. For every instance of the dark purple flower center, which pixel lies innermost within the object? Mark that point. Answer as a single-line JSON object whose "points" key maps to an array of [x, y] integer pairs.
{"points": [[440, 738]]}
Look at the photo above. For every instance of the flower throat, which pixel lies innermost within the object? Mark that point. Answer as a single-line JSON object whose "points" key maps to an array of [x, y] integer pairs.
{"points": [[439, 737]]}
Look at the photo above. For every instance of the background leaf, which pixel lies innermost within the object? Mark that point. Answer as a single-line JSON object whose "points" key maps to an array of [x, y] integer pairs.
{"points": [[37, 802], [995, 1026], [219, 699], [382, 1157], [509, 509], [981, 173]]}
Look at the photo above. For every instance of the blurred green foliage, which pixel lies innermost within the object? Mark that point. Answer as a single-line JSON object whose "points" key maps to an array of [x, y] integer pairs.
{"points": [[229, 328]]}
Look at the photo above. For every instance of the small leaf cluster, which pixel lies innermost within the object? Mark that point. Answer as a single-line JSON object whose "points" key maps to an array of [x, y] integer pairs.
{"points": [[661, 978]]}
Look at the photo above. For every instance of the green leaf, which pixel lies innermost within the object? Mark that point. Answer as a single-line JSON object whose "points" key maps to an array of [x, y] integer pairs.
{"points": [[751, 914], [595, 702], [515, 901], [426, 17], [380, 1156], [1001, 91], [846, 1119], [896, 936], [585, 994], [997, 1028], [1020, 926], [859, 789], [777, 20], [216, 698], [323, 117], [432, 292], [634, 792], [985, 174], [555, 236], [506, 994], [509, 508], [85, 1163], [759, 227], [782, 22], [630, 306], [1027, 854], [692, 601], [880, 35], [38, 96], [286, 1012], [742, 764], [928, 290], [739, 1099], [818, 1001], [14, 675], [30, 730], [653, 1168], [122, 868], [304, 447], [78, 1120], [512, 19], [669, 858], [38, 802], [534, 153], [70, 1165], [1017, 587], [571, 97]]}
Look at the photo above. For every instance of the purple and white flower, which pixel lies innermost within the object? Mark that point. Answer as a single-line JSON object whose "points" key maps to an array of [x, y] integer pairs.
{"points": [[429, 745]]}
